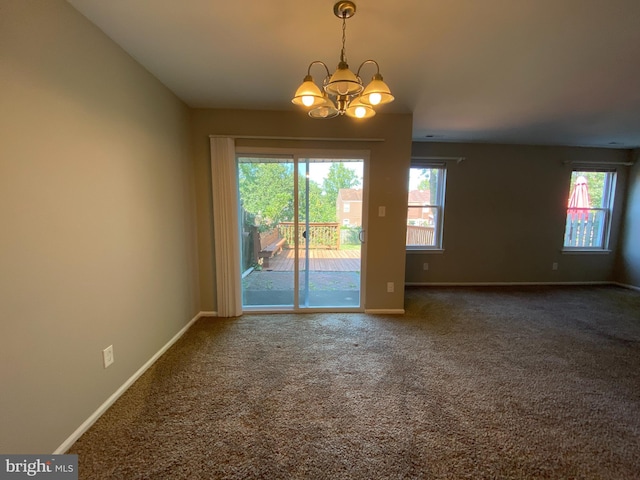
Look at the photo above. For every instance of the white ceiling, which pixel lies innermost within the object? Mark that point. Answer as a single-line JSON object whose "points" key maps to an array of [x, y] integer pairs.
{"points": [[552, 72]]}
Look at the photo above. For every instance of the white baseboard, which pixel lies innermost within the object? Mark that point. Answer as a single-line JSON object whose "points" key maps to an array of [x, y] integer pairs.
{"points": [[624, 285], [111, 400], [499, 284], [384, 311]]}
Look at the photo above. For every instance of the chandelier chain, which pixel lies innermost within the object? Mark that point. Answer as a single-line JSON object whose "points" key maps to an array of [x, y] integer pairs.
{"points": [[343, 54]]}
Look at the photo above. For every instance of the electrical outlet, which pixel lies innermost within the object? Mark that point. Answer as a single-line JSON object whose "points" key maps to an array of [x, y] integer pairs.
{"points": [[107, 356], [390, 287], [425, 266], [554, 266]]}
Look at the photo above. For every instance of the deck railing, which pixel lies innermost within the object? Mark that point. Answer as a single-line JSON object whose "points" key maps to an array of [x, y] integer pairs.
{"points": [[417, 235], [320, 235]]}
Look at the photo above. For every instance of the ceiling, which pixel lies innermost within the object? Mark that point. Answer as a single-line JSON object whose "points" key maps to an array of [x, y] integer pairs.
{"points": [[545, 72]]}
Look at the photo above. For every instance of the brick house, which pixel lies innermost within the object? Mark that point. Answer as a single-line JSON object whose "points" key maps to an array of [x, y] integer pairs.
{"points": [[349, 207]]}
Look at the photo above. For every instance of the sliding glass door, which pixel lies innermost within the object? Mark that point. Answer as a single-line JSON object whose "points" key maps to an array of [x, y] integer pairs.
{"points": [[266, 187], [302, 231], [330, 219]]}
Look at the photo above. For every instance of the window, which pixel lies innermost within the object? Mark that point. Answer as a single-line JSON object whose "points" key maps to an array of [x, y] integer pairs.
{"points": [[425, 211], [589, 209], [346, 208]]}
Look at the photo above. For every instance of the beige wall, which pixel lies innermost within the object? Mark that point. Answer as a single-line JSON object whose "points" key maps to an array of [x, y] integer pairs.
{"points": [[628, 265], [96, 243], [389, 162], [505, 214]]}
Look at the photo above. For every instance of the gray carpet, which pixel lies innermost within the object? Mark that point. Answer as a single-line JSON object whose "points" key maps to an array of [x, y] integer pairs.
{"points": [[531, 382]]}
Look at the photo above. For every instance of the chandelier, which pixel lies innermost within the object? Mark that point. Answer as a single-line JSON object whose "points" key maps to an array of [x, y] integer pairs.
{"points": [[343, 92]]}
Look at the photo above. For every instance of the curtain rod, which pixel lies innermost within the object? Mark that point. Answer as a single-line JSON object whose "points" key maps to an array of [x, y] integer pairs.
{"points": [[596, 163], [457, 159], [305, 139]]}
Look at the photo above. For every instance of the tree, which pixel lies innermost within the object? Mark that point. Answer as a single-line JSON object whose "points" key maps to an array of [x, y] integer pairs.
{"points": [[266, 190], [595, 184], [320, 209], [429, 182], [338, 176], [423, 186]]}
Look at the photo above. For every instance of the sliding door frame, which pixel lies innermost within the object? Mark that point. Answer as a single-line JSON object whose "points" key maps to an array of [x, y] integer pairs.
{"points": [[296, 154]]}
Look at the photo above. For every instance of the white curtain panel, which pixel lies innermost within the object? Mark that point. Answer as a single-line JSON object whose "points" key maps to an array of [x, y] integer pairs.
{"points": [[226, 229]]}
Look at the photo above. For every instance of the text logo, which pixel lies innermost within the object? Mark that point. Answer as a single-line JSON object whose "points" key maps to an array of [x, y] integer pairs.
{"points": [[49, 467]]}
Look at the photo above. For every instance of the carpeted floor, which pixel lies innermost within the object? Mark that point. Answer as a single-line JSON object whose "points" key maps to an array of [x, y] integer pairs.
{"points": [[530, 382]]}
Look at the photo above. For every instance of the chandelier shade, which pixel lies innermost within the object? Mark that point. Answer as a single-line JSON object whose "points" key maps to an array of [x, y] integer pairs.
{"points": [[358, 109], [344, 82], [343, 92], [377, 92], [324, 110], [308, 94]]}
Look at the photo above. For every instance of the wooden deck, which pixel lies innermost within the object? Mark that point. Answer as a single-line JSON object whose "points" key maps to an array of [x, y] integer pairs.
{"points": [[320, 260]]}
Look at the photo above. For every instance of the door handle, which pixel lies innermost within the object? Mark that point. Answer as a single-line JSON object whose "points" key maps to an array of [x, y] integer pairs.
{"points": [[304, 234], [361, 236]]}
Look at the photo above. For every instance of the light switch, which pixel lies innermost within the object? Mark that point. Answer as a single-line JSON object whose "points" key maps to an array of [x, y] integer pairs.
{"points": [[382, 211]]}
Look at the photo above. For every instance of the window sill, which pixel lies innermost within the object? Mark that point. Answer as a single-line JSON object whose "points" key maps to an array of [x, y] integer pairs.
{"points": [[585, 251], [422, 250]]}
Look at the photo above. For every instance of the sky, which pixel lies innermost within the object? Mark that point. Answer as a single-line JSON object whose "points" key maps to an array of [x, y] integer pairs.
{"points": [[319, 170]]}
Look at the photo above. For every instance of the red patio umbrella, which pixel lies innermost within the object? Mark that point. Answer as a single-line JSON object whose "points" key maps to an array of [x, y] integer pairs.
{"points": [[579, 202]]}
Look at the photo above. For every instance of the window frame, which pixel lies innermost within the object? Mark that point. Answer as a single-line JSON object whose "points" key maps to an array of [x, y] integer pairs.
{"points": [[608, 201], [438, 206]]}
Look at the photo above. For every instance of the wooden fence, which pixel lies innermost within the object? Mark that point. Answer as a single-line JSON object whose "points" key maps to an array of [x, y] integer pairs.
{"points": [[320, 235], [584, 227], [420, 235]]}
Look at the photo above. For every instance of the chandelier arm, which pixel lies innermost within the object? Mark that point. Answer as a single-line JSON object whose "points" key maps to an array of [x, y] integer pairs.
{"points": [[318, 62], [368, 61]]}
